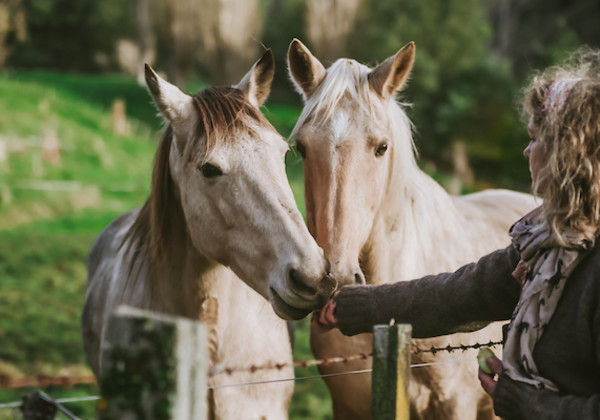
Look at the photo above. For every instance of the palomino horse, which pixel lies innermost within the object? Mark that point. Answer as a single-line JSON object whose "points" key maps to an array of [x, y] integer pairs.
{"points": [[380, 219], [219, 238]]}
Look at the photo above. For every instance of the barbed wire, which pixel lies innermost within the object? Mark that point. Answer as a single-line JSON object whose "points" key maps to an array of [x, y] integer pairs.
{"points": [[297, 364], [17, 404], [327, 375], [344, 359], [43, 381], [452, 349]]}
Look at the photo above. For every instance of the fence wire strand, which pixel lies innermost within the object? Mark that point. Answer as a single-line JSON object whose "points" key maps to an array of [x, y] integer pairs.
{"points": [[17, 404], [7, 382], [415, 365], [345, 359]]}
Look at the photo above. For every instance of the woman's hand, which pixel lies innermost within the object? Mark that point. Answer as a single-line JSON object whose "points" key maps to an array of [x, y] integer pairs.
{"points": [[487, 380], [325, 319]]}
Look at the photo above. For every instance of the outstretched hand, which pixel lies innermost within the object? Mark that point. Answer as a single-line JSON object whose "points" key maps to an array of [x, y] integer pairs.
{"points": [[488, 383], [325, 319]]}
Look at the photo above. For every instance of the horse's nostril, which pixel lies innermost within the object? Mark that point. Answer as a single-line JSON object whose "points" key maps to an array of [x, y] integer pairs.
{"points": [[328, 285], [327, 266], [298, 282], [359, 278]]}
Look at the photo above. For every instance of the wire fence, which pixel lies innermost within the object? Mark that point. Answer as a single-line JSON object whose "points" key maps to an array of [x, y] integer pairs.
{"points": [[73, 381], [43, 381]]}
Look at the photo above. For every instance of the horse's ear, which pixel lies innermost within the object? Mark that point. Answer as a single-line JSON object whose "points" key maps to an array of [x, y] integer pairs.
{"points": [[391, 75], [256, 84], [306, 71], [173, 104]]}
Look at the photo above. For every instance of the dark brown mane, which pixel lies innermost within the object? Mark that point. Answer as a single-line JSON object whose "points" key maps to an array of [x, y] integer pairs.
{"points": [[221, 113], [147, 234]]}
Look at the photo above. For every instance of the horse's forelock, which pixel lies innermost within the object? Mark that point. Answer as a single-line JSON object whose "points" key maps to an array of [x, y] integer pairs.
{"points": [[223, 112], [348, 79]]}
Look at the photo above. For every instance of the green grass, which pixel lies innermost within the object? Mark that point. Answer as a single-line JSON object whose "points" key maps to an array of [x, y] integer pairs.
{"points": [[311, 397], [45, 236]]}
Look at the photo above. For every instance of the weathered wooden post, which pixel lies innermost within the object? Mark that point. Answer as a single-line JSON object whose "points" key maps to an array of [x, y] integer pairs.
{"points": [[154, 368], [39, 406], [119, 118], [35, 407], [50, 145], [391, 371]]}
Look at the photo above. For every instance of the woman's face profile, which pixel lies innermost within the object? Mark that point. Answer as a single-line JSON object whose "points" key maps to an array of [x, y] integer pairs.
{"points": [[535, 153]]}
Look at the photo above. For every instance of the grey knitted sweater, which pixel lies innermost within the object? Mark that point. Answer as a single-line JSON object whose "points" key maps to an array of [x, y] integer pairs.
{"points": [[568, 352]]}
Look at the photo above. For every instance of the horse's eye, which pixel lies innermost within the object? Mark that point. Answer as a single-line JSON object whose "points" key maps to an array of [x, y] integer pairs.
{"points": [[300, 148], [381, 149], [210, 171]]}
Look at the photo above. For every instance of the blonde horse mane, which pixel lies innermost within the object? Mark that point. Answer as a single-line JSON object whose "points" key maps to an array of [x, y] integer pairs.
{"points": [[347, 78], [222, 112], [342, 80]]}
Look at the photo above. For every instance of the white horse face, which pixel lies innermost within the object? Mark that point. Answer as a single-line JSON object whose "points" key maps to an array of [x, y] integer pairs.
{"points": [[236, 199], [344, 138]]}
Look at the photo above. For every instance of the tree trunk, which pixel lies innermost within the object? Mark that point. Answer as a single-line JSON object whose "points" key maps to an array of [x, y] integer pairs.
{"points": [[229, 38], [12, 20], [329, 22], [146, 37]]}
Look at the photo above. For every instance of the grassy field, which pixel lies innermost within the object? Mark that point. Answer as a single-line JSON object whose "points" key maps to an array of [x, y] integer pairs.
{"points": [[45, 234]]}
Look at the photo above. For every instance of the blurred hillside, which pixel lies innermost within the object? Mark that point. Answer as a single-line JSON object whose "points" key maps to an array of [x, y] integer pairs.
{"points": [[473, 56], [66, 171]]}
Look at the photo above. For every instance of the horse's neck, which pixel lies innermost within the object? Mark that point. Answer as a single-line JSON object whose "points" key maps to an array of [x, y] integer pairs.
{"points": [[186, 281]]}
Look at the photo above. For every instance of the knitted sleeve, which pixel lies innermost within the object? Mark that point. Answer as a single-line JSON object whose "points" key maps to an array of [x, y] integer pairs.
{"points": [[520, 401], [479, 292]]}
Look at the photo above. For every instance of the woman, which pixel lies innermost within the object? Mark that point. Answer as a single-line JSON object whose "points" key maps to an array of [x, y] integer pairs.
{"points": [[548, 278]]}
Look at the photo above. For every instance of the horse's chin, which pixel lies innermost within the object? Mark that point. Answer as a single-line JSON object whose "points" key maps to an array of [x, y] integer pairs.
{"points": [[284, 310]]}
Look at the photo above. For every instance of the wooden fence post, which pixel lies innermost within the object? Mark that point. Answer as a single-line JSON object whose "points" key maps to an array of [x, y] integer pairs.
{"points": [[154, 368], [35, 407], [391, 371], [39, 406]]}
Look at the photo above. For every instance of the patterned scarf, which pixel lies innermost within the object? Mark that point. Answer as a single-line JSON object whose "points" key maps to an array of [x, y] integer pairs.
{"points": [[542, 272]]}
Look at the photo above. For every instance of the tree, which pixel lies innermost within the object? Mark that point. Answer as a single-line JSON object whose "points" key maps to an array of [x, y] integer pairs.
{"points": [[328, 24], [70, 35], [178, 25], [285, 20], [229, 37], [450, 36], [13, 27], [538, 33], [146, 38]]}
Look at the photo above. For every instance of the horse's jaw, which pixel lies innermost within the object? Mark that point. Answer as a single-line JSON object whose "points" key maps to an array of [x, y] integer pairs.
{"points": [[284, 310]]}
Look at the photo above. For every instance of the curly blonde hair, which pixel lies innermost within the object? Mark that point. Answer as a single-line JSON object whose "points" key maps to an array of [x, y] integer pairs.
{"points": [[570, 136]]}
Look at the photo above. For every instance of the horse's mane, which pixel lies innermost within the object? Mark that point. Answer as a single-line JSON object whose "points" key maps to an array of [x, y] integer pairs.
{"points": [[344, 78], [221, 112]]}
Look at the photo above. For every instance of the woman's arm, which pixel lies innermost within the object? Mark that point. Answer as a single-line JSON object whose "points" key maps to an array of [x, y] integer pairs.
{"points": [[440, 304], [518, 400]]}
